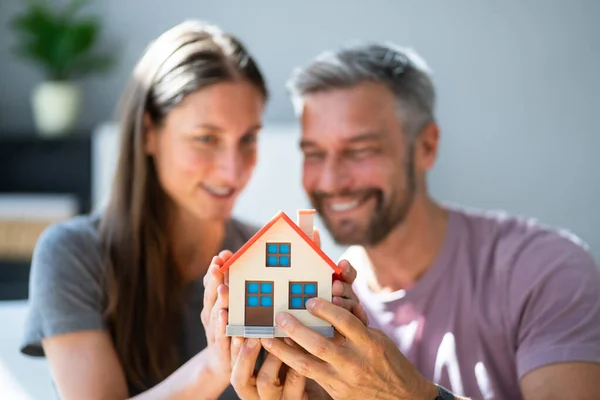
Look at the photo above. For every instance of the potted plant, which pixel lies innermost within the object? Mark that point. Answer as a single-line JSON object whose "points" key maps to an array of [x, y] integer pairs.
{"points": [[61, 42]]}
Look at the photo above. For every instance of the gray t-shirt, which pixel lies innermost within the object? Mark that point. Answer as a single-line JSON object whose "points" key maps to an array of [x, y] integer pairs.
{"points": [[66, 286], [505, 296]]}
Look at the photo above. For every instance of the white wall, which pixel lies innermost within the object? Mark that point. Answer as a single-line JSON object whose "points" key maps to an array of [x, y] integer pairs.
{"points": [[498, 176]]}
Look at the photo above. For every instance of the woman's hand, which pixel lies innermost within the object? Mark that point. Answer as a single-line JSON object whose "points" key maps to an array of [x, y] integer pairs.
{"points": [[215, 314], [274, 381]]}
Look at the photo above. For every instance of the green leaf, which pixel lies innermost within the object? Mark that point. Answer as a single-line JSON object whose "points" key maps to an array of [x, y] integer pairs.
{"points": [[58, 40]]}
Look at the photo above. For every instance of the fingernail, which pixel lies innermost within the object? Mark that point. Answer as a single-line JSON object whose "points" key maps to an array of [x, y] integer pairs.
{"points": [[311, 303], [251, 343], [267, 343], [282, 319], [237, 341]]}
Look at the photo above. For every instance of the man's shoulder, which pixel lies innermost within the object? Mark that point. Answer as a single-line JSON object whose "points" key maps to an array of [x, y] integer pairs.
{"points": [[511, 240]]}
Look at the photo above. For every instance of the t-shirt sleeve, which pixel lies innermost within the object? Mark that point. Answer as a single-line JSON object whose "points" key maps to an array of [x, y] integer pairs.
{"points": [[554, 304], [65, 287]]}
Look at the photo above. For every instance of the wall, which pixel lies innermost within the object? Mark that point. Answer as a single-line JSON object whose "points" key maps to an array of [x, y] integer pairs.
{"points": [[517, 81]]}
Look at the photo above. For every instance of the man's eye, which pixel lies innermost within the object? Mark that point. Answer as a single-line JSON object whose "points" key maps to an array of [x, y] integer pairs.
{"points": [[249, 139], [314, 156], [361, 153]]}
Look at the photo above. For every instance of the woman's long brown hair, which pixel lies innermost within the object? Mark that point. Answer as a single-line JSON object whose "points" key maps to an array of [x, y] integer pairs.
{"points": [[143, 286]]}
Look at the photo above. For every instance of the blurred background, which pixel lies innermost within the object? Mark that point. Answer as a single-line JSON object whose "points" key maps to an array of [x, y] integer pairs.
{"points": [[518, 85]]}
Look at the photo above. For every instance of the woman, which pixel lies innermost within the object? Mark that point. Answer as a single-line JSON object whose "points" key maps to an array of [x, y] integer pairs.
{"points": [[116, 296]]}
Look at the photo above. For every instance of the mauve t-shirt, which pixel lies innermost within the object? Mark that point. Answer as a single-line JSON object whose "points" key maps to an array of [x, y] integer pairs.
{"points": [[505, 296]]}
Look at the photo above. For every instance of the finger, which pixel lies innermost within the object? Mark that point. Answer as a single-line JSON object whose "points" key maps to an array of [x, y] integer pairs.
{"points": [[346, 304], [214, 278], [236, 346], [225, 255], [361, 313], [343, 289], [317, 237], [348, 272], [222, 341], [267, 379], [242, 377], [294, 385], [216, 260], [305, 364], [342, 320], [222, 297], [221, 303], [313, 342]]}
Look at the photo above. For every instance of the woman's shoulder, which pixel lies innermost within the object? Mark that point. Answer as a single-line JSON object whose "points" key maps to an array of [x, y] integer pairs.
{"points": [[66, 282], [72, 244], [81, 230], [238, 233]]}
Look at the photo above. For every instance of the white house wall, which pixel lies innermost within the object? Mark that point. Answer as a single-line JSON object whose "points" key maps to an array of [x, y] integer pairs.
{"points": [[306, 265]]}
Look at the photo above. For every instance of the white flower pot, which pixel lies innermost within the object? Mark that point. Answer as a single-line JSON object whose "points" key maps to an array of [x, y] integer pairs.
{"points": [[56, 107]]}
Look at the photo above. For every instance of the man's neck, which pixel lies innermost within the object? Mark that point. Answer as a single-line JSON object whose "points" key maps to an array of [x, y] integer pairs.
{"points": [[408, 252], [194, 242]]}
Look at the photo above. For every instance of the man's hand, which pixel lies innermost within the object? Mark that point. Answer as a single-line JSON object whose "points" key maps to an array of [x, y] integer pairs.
{"points": [[366, 365]]}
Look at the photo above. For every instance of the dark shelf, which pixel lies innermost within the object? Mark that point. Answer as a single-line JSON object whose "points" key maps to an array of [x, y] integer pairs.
{"points": [[34, 165], [14, 280]]}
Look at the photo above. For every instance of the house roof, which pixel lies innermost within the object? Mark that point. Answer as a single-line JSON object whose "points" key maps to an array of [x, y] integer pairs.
{"points": [[264, 229]]}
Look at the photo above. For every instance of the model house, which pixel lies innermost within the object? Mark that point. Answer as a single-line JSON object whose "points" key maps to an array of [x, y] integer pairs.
{"points": [[278, 270]]}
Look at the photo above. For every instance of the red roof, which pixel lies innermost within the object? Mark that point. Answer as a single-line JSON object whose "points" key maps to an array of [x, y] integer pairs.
{"points": [[264, 229]]}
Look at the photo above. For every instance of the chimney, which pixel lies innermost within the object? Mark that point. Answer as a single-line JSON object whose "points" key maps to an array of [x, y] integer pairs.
{"points": [[306, 219]]}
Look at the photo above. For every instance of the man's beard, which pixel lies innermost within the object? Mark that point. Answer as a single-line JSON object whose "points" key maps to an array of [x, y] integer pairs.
{"points": [[388, 213]]}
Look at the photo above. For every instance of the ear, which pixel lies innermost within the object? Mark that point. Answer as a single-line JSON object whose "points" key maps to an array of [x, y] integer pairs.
{"points": [[150, 136], [426, 146]]}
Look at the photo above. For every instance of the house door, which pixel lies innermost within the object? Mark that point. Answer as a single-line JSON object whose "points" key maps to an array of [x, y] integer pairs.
{"points": [[259, 303]]}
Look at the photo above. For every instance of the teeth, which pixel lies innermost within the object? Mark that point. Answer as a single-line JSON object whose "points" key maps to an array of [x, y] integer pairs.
{"points": [[219, 191], [344, 206]]}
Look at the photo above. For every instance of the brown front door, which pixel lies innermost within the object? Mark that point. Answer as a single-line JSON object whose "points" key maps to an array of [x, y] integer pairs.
{"points": [[259, 303]]}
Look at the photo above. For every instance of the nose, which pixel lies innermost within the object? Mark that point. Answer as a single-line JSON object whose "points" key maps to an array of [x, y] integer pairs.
{"points": [[228, 166], [334, 177]]}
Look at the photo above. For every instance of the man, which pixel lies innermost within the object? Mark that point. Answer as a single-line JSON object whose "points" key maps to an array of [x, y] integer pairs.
{"points": [[486, 305]]}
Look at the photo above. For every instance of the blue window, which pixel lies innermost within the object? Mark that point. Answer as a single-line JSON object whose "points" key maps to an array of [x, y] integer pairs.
{"points": [[266, 287], [253, 288], [279, 254], [300, 292], [259, 294], [266, 301], [296, 288], [296, 302]]}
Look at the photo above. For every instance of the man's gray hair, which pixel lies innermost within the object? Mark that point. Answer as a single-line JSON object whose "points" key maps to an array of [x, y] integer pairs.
{"points": [[402, 70]]}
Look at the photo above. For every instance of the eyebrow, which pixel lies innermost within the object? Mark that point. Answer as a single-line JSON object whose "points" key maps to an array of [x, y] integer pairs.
{"points": [[365, 137], [212, 127]]}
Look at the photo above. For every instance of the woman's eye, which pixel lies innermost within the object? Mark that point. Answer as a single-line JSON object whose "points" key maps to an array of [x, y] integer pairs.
{"points": [[205, 139]]}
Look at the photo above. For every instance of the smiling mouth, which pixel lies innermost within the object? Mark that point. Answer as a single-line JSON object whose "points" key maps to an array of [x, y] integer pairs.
{"points": [[219, 192], [348, 205]]}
